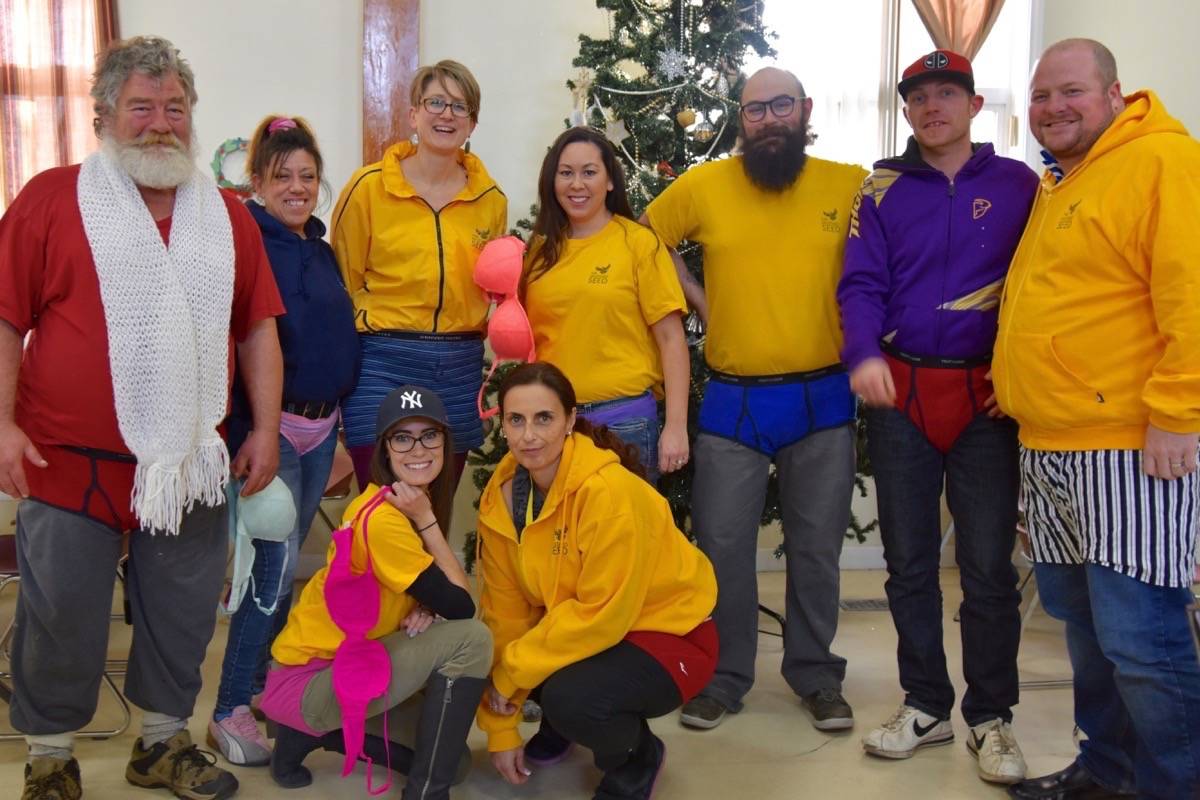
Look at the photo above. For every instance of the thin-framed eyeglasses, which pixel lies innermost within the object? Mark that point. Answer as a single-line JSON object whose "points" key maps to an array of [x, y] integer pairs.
{"points": [[401, 442], [780, 105], [436, 105]]}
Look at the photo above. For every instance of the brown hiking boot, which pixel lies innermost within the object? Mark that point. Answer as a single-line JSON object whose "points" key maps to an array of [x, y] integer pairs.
{"points": [[178, 765], [52, 779]]}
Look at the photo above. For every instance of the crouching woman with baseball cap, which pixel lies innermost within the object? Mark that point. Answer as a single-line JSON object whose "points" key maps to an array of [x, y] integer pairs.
{"points": [[365, 640], [589, 589]]}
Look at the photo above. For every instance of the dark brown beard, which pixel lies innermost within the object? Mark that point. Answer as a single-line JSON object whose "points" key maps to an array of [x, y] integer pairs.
{"points": [[773, 165]]}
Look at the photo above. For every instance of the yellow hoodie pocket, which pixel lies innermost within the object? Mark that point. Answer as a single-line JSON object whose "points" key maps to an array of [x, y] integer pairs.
{"points": [[1043, 391]]}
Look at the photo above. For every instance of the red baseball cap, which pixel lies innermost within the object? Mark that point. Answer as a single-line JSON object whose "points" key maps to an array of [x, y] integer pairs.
{"points": [[941, 65]]}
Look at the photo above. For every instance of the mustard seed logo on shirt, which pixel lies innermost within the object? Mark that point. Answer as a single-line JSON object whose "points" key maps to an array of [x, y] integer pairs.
{"points": [[1069, 217], [829, 222], [481, 237], [600, 274]]}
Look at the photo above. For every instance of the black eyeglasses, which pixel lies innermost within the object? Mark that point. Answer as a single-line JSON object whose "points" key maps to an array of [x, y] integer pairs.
{"points": [[403, 442], [436, 105], [780, 106]]}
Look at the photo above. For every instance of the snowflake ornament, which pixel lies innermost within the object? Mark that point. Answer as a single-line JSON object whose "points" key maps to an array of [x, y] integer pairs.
{"points": [[672, 63]]}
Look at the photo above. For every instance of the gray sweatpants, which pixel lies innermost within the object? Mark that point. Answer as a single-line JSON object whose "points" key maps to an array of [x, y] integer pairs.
{"points": [[68, 565], [816, 479]]}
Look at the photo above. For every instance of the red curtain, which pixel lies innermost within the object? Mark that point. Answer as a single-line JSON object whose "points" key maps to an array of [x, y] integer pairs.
{"points": [[959, 25], [47, 54]]}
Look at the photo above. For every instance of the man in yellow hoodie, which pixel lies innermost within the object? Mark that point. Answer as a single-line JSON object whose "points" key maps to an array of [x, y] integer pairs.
{"points": [[1098, 359]]}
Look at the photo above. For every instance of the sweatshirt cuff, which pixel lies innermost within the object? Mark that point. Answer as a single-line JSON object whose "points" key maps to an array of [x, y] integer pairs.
{"points": [[503, 683], [854, 355], [507, 739], [1174, 424]]}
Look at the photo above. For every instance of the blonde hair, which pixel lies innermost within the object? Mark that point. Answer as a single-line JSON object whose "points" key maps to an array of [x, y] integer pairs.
{"points": [[442, 71]]}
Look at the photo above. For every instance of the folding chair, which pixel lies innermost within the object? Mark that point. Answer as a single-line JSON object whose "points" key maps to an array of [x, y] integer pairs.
{"points": [[10, 574]]}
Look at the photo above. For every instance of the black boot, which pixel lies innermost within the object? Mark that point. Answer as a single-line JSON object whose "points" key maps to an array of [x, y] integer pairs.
{"points": [[634, 778], [293, 746], [447, 712]]}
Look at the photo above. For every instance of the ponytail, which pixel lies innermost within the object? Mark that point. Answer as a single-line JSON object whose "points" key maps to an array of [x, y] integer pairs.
{"points": [[604, 438]]}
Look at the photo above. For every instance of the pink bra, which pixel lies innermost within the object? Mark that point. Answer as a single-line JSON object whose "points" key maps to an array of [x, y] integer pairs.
{"points": [[362, 668], [498, 273]]}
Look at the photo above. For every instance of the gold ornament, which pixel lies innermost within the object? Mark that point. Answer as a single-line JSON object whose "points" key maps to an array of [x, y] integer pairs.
{"points": [[703, 132], [686, 117]]}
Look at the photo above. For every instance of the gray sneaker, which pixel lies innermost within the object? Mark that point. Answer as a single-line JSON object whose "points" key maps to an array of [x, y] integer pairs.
{"points": [[829, 710], [702, 712]]}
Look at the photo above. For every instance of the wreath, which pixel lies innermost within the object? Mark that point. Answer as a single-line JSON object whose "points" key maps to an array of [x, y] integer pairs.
{"points": [[228, 148]]}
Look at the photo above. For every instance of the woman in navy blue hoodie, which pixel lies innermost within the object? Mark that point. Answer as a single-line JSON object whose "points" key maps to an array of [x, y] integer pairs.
{"points": [[320, 366]]}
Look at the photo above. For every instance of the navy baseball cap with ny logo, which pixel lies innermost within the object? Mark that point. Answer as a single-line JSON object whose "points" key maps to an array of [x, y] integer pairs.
{"points": [[406, 402]]}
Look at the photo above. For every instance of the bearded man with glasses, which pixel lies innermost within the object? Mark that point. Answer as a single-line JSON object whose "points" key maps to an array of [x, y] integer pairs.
{"points": [[772, 222]]}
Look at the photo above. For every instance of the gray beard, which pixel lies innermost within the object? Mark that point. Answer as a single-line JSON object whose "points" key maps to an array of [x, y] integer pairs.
{"points": [[153, 169]]}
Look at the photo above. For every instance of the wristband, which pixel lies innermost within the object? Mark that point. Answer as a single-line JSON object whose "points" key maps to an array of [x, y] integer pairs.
{"points": [[427, 527]]}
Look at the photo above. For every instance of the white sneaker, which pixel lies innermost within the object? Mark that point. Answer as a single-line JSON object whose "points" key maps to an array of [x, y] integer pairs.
{"points": [[907, 730], [1000, 759]]}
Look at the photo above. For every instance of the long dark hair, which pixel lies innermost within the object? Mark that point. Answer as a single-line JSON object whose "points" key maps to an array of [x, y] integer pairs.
{"points": [[441, 490], [543, 373], [551, 227]]}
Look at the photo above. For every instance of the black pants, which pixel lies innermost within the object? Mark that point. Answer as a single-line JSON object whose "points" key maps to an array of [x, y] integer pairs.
{"points": [[603, 702]]}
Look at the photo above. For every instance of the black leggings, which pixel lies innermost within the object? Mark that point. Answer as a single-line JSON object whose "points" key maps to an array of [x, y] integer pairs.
{"points": [[603, 702]]}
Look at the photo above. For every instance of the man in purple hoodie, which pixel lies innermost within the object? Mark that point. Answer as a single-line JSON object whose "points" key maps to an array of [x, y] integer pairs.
{"points": [[930, 240]]}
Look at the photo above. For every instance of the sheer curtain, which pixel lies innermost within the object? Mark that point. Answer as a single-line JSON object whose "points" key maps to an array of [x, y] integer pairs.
{"points": [[47, 54], [959, 25]]}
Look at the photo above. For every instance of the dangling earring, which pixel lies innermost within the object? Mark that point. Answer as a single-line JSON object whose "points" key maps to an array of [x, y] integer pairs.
{"points": [[467, 146], [413, 138]]}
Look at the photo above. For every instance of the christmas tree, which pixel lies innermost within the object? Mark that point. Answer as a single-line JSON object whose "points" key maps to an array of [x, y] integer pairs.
{"points": [[663, 87]]}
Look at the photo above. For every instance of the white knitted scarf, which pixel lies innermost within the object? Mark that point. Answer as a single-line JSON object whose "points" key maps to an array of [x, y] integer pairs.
{"points": [[167, 314]]}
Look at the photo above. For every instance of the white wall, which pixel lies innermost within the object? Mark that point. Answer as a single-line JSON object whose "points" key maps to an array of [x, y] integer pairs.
{"points": [[1154, 42], [520, 51], [300, 57]]}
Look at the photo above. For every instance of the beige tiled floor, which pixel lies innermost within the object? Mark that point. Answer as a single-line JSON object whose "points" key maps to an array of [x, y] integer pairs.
{"points": [[768, 751]]}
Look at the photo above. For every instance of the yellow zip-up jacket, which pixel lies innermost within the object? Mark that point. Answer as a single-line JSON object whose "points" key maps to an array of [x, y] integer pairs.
{"points": [[603, 558], [1100, 318], [406, 266]]}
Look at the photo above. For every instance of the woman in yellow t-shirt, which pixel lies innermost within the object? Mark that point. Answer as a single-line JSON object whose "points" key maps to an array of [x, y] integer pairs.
{"points": [[389, 575], [605, 302]]}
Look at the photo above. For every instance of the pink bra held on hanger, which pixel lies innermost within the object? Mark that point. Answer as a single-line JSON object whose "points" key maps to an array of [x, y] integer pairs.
{"points": [[498, 273], [362, 668]]}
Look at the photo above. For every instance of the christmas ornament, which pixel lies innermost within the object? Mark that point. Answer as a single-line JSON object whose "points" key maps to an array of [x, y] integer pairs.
{"points": [[703, 132], [686, 118], [615, 131], [672, 64]]}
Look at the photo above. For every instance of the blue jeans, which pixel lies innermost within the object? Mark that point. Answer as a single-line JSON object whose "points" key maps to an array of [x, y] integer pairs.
{"points": [[1137, 680], [642, 432], [981, 477], [251, 632]]}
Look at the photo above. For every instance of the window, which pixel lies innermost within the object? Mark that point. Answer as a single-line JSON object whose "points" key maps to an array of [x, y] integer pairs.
{"points": [[47, 54], [849, 57]]}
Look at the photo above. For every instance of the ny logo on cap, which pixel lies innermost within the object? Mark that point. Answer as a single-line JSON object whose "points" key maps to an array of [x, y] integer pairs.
{"points": [[936, 60], [410, 399]]}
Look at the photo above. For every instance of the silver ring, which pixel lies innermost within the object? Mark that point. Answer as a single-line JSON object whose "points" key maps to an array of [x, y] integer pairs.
{"points": [[1176, 463]]}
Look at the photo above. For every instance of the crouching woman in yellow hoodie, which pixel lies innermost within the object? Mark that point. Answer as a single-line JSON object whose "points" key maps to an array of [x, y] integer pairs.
{"points": [[589, 589]]}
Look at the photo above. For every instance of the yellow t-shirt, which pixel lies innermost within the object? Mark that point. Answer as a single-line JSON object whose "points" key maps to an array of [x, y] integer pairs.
{"points": [[771, 261], [592, 311], [397, 557]]}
